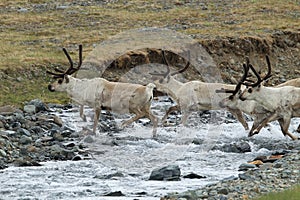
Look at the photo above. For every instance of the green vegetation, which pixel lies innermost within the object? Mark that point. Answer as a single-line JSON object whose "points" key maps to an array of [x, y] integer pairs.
{"points": [[33, 32], [290, 194]]}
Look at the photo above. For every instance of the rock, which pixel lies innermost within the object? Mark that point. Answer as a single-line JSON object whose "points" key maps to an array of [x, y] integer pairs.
{"points": [[76, 158], [30, 109], [57, 120], [22, 131], [2, 153], [168, 173], [39, 105], [88, 139], [193, 176], [245, 177], [115, 194], [223, 191], [110, 176], [246, 166], [239, 147], [26, 163], [58, 137], [25, 140]]}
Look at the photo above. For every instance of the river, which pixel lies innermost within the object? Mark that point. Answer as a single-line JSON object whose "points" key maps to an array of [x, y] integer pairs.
{"points": [[122, 161]]}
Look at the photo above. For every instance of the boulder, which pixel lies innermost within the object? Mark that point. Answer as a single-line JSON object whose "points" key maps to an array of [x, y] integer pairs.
{"points": [[168, 173]]}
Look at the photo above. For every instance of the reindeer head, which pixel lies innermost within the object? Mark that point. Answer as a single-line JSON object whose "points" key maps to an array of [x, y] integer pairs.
{"points": [[232, 100], [63, 77], [249, 93], [162, 79]]}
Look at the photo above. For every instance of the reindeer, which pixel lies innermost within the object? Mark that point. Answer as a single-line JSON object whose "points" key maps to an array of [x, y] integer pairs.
{"points": [[100, 93], [251, 107], [192, 96], [282, 103], [293, 82]]}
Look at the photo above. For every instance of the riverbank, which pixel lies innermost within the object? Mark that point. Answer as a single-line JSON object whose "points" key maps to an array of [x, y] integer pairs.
{"points": [[209, 153], [273, 176]]}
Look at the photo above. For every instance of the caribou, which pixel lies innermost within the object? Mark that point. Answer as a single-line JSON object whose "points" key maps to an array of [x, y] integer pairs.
{"points": [[100, 93], [192, 96], [281, 103], [251, 107]]}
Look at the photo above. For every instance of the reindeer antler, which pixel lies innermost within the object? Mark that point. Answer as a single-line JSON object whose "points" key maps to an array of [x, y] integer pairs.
{"points": [[238, 86], [165, 74], [71, 70], [259, 79], [268, 75]]}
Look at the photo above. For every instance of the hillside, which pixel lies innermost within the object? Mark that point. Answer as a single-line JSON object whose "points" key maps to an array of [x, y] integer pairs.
{"points": [[33, 33]]}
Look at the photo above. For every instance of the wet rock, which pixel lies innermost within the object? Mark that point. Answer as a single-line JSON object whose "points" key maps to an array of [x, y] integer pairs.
{"points": [[26, 163], [168, 173], [36, 135], [77, 157], [246, 166], [110, 176], [194, 176], [115, 194], [57, 120], [89, 139], [239, 147]]}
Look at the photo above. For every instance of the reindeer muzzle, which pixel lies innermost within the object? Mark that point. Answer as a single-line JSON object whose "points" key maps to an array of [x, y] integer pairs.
{"points": [[50, 88]]}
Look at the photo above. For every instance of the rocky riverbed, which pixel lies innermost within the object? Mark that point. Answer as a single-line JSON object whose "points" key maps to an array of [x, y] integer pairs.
{"points": [[213, 153], [35, 134]]}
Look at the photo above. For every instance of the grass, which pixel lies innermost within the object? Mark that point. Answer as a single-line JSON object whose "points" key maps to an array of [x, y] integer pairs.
{"points": [[290, 194], [31, 40]]}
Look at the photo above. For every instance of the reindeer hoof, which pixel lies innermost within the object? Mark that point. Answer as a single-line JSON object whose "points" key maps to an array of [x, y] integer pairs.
{"points": [[252, 133]]}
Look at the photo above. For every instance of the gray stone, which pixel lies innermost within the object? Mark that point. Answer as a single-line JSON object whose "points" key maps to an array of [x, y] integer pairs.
{"points": [[245, 177], [31, 109], [57, 120], [25, 140], [2, 153], [22, 131], [168, 173], [223, 191], [88, 139], [246, 166], [40, 106]]}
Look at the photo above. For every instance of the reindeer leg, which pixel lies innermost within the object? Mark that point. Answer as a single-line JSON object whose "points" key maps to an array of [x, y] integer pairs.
{"points": [[259, 123], [239, 116], [83, 117], [185, 116], [170, 110], [284, 125], [96, 119], [137, 116], [298, 129], [154, 121]]}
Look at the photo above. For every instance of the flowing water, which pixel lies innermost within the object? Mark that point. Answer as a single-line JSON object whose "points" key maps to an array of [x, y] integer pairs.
{"points": [[123, 160]]}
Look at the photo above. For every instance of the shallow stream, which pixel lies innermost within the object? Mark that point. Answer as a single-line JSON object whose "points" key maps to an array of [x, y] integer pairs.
{"points": [[122, 161]]}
